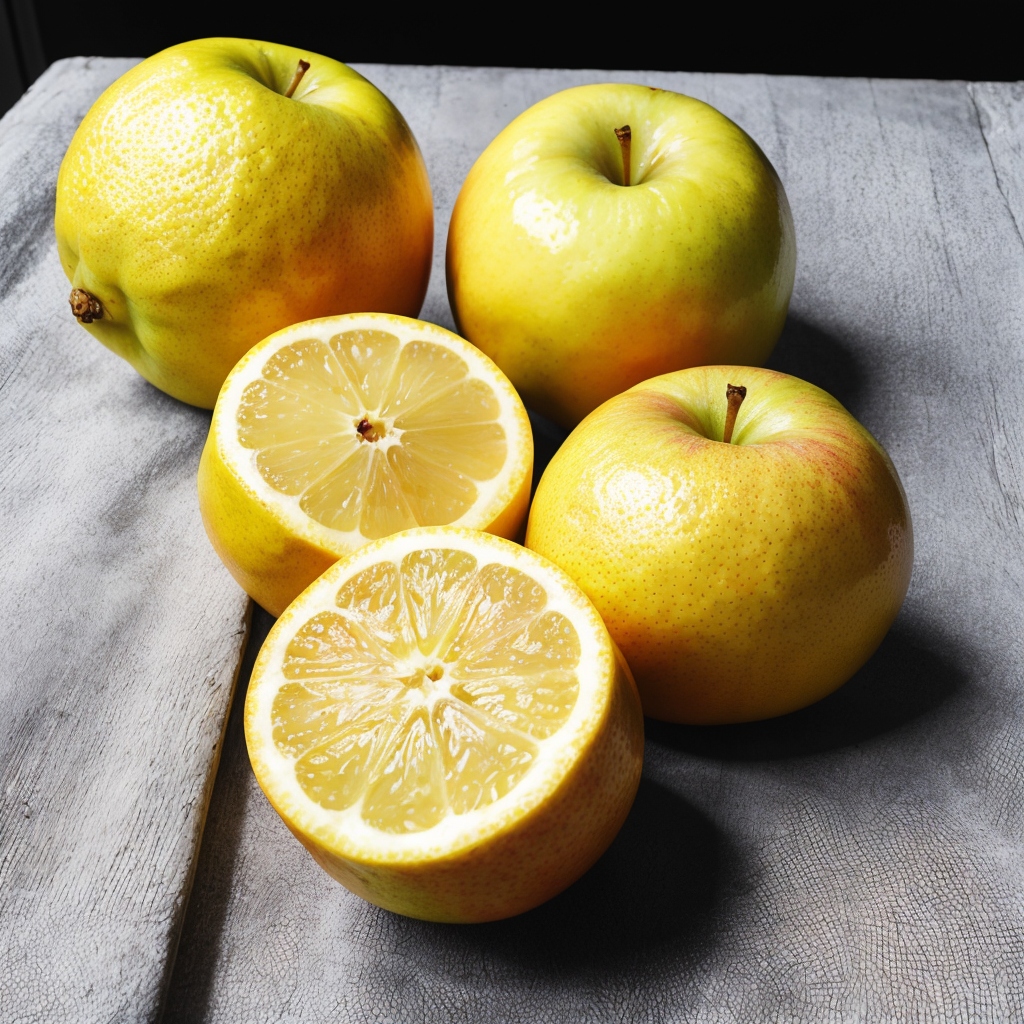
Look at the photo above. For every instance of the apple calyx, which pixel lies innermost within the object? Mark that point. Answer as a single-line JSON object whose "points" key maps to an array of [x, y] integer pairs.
{"points": [[367, 431], [625, 137], [734, 395], [85, 306], [296, 78]]}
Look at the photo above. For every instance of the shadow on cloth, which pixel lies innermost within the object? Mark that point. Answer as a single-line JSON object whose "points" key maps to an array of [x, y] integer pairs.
{"points": [[547, 439], [814, 355], [192, 973], [655, 887], [803, 350], [905, 679]]}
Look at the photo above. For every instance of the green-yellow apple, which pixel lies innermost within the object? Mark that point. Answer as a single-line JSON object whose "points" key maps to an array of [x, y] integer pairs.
{"points": [[615, 232], [742, 578], [224, 189]]}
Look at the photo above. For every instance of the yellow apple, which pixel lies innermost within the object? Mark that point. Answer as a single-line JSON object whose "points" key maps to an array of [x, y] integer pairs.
{"points": [[584, 258], [741, 579], [226, 188]]}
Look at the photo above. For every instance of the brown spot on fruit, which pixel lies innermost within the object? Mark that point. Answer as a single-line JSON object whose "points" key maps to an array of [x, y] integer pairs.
{"points": [[85, 306], [367, 431]]}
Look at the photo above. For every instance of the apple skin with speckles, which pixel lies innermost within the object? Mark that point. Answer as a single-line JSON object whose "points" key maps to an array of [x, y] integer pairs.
{"points": [[744, 580], [580, 282]]}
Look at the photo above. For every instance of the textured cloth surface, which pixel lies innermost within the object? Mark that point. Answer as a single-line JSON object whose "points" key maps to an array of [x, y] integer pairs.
{"points": [[859, 861], [122, 633], [862, 860]]}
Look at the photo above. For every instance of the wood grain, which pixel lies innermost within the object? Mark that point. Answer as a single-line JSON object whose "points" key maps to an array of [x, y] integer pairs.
{"points": [[862, 860], [122, 633]]}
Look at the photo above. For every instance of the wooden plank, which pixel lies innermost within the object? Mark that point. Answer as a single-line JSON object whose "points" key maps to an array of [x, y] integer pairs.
{"points": [[861, 860], [122, 632]]}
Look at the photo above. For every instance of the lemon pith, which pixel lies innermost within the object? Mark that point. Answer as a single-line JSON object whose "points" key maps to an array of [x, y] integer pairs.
{"points": [[343, 430], [435, 704]]}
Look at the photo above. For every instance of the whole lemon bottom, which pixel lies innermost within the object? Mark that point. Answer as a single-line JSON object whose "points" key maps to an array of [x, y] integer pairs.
{"points": [[742, 580], [200, 207]]}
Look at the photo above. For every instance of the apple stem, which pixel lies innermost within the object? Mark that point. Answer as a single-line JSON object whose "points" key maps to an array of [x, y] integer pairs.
{"points": [[734, 394], [625, 137], [296, 78], [85, 306]]}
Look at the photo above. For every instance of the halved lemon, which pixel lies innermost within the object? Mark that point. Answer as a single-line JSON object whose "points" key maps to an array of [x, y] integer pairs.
{"points": [[444, 722], [339, 431]]}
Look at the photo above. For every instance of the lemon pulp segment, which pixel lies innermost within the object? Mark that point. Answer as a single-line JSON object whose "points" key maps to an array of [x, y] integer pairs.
{"points": [[428, 689], [370, 435]]}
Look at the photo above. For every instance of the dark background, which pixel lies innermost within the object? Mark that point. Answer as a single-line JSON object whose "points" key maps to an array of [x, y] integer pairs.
{"points": [[831, 40]]}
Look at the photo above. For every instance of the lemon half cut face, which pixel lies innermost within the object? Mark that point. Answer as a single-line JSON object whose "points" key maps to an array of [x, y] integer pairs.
{"points": [[444, 722], [344, 430]]}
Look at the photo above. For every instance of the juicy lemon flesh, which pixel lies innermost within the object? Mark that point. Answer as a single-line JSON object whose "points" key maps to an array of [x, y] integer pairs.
{"points": [[370, 435], [428, 692]]}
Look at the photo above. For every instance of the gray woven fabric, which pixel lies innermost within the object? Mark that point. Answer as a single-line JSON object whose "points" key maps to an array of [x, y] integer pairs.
{"points": [[121, 632], [859, 861]]}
